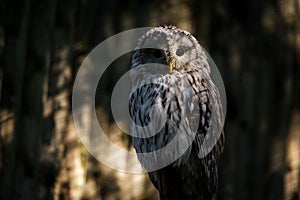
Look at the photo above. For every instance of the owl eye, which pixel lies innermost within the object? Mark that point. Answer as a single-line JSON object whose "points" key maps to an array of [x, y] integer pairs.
{"points": [[180, 52], [157, 53]]}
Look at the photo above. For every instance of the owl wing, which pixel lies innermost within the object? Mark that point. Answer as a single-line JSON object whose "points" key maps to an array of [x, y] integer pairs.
{"points": [[209, 140], [194, 170]]}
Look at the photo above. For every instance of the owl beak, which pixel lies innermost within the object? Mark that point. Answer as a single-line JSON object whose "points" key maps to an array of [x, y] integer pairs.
{"points": [[169, 59], [170, 67]]}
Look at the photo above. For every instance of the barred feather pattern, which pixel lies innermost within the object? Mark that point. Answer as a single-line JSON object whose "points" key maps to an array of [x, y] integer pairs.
{"points": [[190, 176]]}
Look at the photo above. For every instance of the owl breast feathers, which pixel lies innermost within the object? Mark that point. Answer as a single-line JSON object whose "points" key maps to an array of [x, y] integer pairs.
{"points": [[176, 114]]}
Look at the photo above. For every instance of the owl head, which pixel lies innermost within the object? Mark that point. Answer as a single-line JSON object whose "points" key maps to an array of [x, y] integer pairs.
{"points": [[175, 49]]}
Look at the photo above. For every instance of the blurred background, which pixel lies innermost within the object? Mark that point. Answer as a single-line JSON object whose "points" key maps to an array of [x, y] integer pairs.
{"points": [[255, 44]]}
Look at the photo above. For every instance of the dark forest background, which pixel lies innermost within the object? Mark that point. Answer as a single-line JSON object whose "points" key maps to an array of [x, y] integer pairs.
{"points": [[255, 44]]}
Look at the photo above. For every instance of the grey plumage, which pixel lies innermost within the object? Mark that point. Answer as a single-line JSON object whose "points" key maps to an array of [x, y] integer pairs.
{"points": [[171, 72]]}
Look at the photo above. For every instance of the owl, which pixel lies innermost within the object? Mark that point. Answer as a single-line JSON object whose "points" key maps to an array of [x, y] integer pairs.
{"points": [[177, 115]]}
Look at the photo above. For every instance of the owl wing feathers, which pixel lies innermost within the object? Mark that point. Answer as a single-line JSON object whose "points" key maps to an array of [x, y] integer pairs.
{"points": [[192, 170]]}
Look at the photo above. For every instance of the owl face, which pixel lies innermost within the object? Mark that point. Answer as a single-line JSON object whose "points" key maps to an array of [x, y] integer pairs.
{"points": [[174, 48]]}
